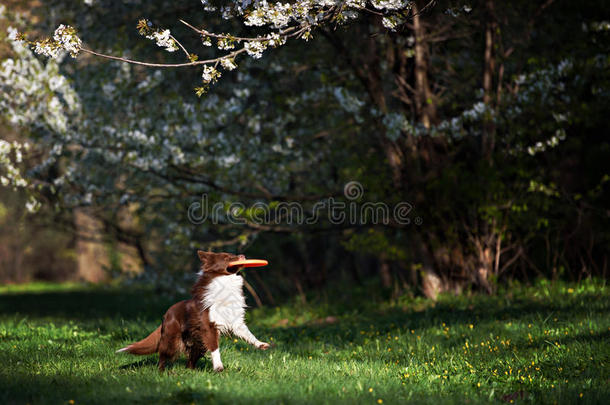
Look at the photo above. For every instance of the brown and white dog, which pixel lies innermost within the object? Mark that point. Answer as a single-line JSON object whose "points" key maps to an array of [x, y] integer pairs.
{"points": [[194, 326]]}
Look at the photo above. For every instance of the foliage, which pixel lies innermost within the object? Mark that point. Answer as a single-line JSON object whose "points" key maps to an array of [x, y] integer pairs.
{"points": [[487, 118], [29, 247]]}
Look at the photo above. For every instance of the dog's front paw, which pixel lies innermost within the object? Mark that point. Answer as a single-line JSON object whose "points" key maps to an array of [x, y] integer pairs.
{"points": [[263, 346], [219, 369]]}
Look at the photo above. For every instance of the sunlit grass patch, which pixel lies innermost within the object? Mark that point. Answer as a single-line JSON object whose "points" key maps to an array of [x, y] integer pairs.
{"points": [[541, 344]]}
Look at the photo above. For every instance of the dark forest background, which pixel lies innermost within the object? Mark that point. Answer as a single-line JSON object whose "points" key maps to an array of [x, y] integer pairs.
{"points": [[490, 119]]}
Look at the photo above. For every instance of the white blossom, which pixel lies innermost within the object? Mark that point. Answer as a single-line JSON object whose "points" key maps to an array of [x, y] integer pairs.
{"points": [[228, 64], [390, 4], [255, 49], [395, 123], [66, 37], [225, 44], [32, 205], [348, 101], [275, 39], [600, 26], [10, 174], [12, 33], [48, 49], [210, 74], [164, 40], [391, 22], [207, 6]]}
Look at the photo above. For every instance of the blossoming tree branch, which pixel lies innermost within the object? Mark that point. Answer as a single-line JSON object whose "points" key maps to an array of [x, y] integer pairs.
{"points": [[283, 21]]}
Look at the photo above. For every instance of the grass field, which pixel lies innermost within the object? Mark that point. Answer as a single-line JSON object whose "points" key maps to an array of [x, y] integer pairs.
{"points": [[544, 344]]}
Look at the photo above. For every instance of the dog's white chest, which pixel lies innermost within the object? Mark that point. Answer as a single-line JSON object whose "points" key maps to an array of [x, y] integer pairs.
{"points": [[226, 302]]}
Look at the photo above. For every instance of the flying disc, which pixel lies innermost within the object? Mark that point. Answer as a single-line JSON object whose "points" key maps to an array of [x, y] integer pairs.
{"points": [[249, 263]]}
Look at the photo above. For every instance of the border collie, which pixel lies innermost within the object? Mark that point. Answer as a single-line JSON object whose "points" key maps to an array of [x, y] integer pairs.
{"points": [[194, 326]]}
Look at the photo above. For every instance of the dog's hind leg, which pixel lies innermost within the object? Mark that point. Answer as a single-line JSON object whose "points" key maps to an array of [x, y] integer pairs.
{"points": [[162, 362], [170, 343], [194, 355]]}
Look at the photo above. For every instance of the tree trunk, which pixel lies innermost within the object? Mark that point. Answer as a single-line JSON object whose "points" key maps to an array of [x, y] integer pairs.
{"points": [[92, 257], [432, 283], [384, 273], [489, 62], [425, 108], [424, 103]]}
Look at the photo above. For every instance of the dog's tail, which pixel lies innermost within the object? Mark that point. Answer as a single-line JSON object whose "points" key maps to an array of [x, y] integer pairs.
{"points": [[148, 345]]}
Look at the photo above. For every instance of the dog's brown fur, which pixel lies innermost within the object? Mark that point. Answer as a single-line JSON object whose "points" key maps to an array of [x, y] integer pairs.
{"points": [[186, 326]]}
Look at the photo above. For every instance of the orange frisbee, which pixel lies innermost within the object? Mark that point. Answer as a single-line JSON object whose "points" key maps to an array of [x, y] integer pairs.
{"points": [[249, 263]]}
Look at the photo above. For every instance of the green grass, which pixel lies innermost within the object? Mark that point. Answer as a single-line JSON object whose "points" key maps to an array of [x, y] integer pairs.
{"points": [[544, 344]]}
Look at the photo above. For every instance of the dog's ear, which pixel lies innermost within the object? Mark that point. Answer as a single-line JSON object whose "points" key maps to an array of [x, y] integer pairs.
{"points": [[213, 262], [204, 256]]}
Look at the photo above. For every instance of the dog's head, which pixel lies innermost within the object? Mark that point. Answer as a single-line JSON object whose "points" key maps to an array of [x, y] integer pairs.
{"points": [[218, 263]]}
